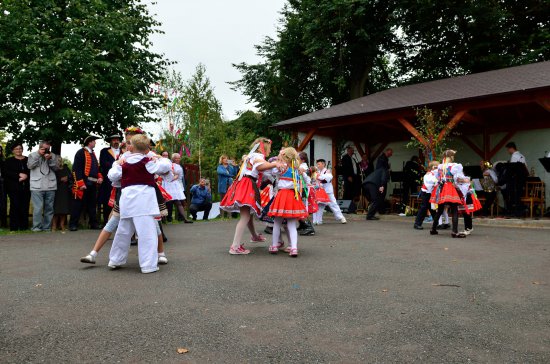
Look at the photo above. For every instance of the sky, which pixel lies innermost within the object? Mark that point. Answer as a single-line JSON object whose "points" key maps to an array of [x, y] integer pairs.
{"points": [[215, 33]]}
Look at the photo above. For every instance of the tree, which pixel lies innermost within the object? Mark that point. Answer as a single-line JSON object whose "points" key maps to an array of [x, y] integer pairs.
{"points": [[69, 68]]}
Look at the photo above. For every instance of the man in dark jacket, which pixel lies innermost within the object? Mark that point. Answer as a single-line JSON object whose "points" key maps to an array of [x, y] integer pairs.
{"points": [[201, 199], [350, 173], [107, 157], [374, 186]]}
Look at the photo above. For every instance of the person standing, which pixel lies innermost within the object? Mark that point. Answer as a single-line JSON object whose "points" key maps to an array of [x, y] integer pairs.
{"points": [[107, 156], [375, 186], [430, 180], [201, 199], [86, 177], [324, 178], [172, 182], [43, 184], [384, 162], [226, 172], [350, 174], [412, 175], [62, 201], [16, 181], [3, 193], [515, 182]]}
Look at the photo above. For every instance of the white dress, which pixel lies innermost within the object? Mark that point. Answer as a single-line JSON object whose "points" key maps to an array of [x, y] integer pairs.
{"points": [[172, 185]]}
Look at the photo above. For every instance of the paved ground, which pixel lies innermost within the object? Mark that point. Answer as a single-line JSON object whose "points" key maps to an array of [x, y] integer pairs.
{"points": [[361, 292]]}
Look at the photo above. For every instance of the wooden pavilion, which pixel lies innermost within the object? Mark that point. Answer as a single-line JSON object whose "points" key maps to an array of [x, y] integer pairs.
{"points": [[506, 100]]}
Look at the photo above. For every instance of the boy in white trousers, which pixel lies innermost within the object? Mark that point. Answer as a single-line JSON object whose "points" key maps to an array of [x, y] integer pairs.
{"points": [[325, 178], [138, 204]]}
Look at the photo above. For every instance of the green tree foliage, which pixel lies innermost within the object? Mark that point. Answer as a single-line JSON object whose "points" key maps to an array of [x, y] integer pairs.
{"points": [[69, 68], [448, 37], [332, 51]]}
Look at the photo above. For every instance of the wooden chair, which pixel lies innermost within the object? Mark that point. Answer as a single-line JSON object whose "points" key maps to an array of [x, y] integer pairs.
{"points": [[534, 196]]}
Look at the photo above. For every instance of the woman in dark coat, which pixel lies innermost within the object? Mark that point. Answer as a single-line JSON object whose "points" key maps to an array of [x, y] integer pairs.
{"points": [[62, 202], [16, 179]]}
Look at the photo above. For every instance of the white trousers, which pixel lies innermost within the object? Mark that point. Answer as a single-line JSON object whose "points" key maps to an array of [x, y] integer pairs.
{"points": [[145, 228], [333, 206]]}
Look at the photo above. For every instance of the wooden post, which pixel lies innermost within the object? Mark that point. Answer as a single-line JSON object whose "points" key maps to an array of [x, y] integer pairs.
{"points": [[306, 140], [334, 164]]}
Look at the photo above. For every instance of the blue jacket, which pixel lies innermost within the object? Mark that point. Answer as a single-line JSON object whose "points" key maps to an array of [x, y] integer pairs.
{"points": [[225, 177], [200, 195]]}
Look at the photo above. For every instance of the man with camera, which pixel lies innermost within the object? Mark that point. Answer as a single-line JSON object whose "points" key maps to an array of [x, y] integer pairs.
{"points": [[43, 184], [201, 199]]}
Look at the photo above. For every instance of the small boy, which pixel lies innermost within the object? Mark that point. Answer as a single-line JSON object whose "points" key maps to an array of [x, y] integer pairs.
{"points": [[138, 204], [325, 178], [430, 180]]}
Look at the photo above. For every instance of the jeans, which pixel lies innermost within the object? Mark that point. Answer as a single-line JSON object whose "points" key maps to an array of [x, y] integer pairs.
{"points": [[425, 205], [42, 200], [194, 208]]}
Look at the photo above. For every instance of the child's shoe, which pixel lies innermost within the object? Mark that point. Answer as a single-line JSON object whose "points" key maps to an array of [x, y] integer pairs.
{"points": [[273, 249], [257, 239], [293, 252], [88, 259], [163, 260], [239, 250]]}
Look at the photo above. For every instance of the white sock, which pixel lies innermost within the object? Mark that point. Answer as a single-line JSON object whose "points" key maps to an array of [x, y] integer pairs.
{"points": [[93, 253], [161, 254]]}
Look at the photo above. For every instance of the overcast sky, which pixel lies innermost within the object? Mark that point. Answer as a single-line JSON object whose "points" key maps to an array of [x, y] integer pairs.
{"points": [[215, 33]]}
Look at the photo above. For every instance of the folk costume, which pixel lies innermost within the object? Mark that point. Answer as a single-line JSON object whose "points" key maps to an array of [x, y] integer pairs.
{"points": [[429, 182], [445, 193], [85, 173], [470, 204], [107, 156], [287, 205], [325, 177], [245, 191], [138, 209]]}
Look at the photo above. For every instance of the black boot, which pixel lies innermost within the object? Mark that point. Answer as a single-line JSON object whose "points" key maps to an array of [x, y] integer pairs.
{"points": [[307, 229], [164, 238]]}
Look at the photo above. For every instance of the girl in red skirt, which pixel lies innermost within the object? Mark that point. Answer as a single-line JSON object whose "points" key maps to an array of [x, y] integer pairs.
{"points": [[445, 193], [287, 204], [244, 196]]}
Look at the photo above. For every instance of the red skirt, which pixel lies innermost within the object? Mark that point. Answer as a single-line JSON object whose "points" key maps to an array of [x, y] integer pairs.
{"points": [[321, 196], [286, 205], [265, 196], [446, 194], [312, 206], [241, 193], [471, 207]]}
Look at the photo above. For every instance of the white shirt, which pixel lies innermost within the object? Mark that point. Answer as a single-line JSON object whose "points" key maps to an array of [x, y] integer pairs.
{"points": [[116, 152], [518, 157], [139, 200], [256, 160], [430, 180], [326, 176], [307, 178]]}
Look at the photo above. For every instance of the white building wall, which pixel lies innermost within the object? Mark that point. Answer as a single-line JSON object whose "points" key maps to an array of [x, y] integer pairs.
{"points": [[533, 144]]}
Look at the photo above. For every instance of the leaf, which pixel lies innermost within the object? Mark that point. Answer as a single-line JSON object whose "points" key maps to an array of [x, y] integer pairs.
{"points": [[384, 290], [182, 350], [539, 283]]}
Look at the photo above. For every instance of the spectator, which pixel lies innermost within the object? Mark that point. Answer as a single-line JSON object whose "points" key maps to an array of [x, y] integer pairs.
{"points": [[227, 170], [107, 156], [172, 182], [16, 181], [516, 176], [87, 177], [201, 199], [384, 162], [412, 175], [350, 172], [62, 201], [43, 184]]}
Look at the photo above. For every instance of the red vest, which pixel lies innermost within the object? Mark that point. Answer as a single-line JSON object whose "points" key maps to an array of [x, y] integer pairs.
{"points": [[137, 174]]}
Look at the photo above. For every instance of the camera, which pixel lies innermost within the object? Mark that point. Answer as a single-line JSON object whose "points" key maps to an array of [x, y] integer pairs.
{"points": [[47, 152]]}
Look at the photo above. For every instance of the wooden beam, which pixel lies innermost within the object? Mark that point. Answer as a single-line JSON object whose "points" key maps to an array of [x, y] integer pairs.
{"points": [[379, 150], [545, 103], [335, 162], [471, 144], [450, 126], [413, 131], [306, 140], [501, 144], [472, 119], [359, 148]]}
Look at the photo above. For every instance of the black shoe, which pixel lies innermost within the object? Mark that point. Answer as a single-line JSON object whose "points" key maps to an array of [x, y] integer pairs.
{"points": [[169, 220], [458, 235], [268, 230], [373, 218], [73, 228], [433, 232], [133, 242], [306, 232], [446, 226], [418, 227], [185, 221]]}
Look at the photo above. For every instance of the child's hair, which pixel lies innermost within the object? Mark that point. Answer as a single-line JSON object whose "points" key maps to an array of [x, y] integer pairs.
{"points": [[322, 161], [432, 165], [449, 155], [140, 143], [302, 156], [264, 142], [290, 155]]}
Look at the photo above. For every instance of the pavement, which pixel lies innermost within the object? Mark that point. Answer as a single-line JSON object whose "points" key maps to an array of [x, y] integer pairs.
{"points": [[363, 292]]}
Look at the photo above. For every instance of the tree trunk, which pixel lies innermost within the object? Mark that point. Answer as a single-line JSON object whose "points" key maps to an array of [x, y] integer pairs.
{"points": [[358, 81]]}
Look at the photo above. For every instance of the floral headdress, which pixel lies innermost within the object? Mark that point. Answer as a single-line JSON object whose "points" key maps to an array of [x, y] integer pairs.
{"points": [[133, 130]]}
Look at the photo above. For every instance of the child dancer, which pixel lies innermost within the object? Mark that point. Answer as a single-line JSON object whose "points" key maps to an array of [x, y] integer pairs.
{"points": [[287, 203], [305, 227], [138, 205], [445, 193], [324, 177], [471, 204], [430, 180], [243, 195]]}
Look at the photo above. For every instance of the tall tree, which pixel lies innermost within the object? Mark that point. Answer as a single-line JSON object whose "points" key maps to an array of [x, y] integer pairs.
{"points": [[72, 67]]}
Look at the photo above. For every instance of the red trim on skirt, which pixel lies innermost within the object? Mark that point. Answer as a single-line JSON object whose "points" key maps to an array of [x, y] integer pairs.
{"points": [[265, 195], [286, 205], [321, 196], [447, 194], [241, 193]]}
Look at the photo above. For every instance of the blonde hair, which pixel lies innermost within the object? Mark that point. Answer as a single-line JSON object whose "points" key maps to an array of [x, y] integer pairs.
{"points": [[267, 144], [140, 143], [290, 155], [221, 158], [433, 165]]}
